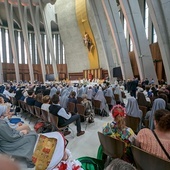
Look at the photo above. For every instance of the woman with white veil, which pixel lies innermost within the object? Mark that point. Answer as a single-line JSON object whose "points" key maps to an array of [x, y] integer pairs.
{"points": [[103, 106]]}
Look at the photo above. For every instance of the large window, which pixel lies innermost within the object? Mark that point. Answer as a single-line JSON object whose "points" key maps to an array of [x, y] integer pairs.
{"points": [[130, 45], [146, 19], [125, 27], [7, 45], [154, 35], [59, 49], [19, 48], [1, 53]]}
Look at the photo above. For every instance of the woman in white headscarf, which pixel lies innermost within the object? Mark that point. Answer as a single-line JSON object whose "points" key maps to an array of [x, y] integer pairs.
{"points": [[52, 147], [89, 93], [132, 109], [109, 93], [103, 106], [157, 104], [64, 98]]}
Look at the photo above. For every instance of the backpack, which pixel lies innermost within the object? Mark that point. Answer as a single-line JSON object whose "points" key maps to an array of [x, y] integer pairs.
{"points": [[89, 163], [43, 127]]}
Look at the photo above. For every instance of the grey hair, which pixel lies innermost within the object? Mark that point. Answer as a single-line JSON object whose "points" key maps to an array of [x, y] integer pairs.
{"points": [[118, 164], [84, 96]]}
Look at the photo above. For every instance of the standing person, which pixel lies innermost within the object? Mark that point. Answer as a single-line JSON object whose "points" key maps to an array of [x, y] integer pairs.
{"points": [[133, 88], [64, 118]]}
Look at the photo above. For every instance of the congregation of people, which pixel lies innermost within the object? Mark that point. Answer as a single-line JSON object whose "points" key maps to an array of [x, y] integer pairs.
{"points": [[118, 100]]}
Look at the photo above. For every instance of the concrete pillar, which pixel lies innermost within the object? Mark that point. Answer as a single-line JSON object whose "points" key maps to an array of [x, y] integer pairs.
{"points": [[159, 12], [61, 51], [16, 41], [115, 24], [3, 45], [35, 20], [103, 29], [23, 19], [48, 13], [1, 72], [136, 29], [9, 14], [56, 42]]}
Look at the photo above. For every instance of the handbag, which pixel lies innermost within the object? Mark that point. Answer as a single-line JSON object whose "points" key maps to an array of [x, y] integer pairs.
{"points": [[166, 153]]}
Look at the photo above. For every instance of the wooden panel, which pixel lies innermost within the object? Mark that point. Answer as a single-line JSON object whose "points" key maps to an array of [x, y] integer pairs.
{"points": [[75, 76], [134, 64]]}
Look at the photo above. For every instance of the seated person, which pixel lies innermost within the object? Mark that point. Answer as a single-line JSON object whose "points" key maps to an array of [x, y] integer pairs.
{"points": [[88, 108], [157, 104], [64, 117], [38, 100], [146, 139], [73, 99], [7, 164], [17, 143], [30, 99], [52, 146], [46, 101], [118, 129]]}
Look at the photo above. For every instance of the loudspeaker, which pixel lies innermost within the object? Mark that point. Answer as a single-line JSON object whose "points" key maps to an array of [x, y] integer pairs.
{"points": [[117, 72], [50, 77]]}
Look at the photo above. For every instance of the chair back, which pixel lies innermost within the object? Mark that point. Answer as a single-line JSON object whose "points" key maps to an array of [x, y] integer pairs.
{"points": [[132, 122], [147, 161], [31, 109], [79, 99], [123, 94], [116, 97], [44, 115], [80, 109], [96, 104], [37, 111], [108, 100], [71, 107], [112, 147], [54, 122], [22, 105], [144, 110]]}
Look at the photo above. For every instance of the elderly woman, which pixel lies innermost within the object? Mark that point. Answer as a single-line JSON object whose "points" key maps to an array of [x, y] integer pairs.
{"points": [[132, 109], [148, 139], [17, 143], [103, 106], [157, 104]]}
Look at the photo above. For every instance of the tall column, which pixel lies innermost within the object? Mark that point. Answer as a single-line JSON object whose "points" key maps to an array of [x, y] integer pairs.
{"points": [[3, 45], [159, 12], [136, 29], [23, 19], [23, 49], [104, 36], [112, 14], [1, 72], [10, 50], [16, 41], [35, 20], [61, 51], [57, 57], [9, 14], [48, 14]]}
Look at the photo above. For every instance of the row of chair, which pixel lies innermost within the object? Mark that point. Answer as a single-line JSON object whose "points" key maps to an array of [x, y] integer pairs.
{"points": [[114, 148]]}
